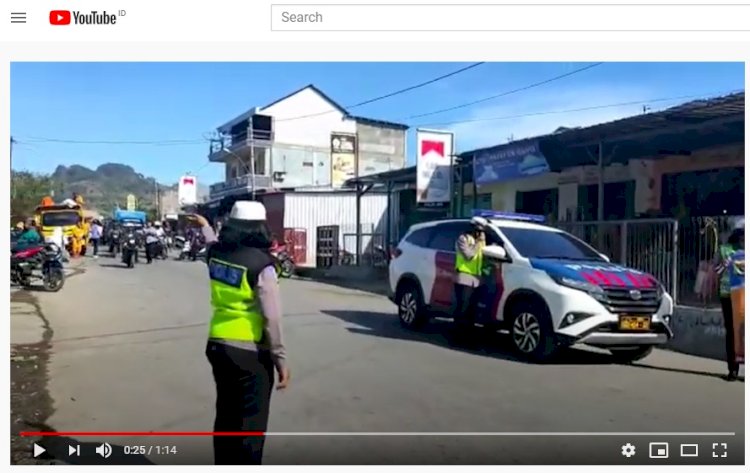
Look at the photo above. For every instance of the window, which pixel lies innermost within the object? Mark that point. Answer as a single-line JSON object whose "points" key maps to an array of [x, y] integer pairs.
{"points": [[446, 235], [60, 219], [534, 243], [420, 237]]}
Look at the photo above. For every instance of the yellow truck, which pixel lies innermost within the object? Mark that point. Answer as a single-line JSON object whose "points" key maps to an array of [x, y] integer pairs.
{"points": [[71, 218]]}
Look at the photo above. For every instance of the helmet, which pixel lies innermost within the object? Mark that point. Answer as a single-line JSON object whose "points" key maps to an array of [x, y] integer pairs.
{"points": [[479, 222]]}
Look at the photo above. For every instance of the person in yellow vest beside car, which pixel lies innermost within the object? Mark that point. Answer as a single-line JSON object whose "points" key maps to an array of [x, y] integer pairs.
{"points": [[725, 266], [469, 272], [245, 344]]}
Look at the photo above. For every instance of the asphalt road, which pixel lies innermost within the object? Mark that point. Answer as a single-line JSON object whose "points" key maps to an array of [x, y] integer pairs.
{"points": [[128, 355]]}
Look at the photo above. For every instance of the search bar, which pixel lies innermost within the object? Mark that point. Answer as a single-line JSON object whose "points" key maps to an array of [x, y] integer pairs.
{"points": [[511, 18]]}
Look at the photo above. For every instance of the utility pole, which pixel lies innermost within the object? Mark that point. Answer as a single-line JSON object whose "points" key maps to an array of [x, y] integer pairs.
{"points": [[156, 199]]}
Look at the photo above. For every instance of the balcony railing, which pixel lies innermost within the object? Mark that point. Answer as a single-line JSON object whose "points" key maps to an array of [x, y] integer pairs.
{"points": [[240, 184], [236, 142]]}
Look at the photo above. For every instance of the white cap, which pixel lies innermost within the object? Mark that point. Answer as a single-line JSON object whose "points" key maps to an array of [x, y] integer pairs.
{"points": [[157, 224], [248, 210], [479, 221]]}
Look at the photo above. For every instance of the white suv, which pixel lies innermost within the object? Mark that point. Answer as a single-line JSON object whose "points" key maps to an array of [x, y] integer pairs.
{"points": [[550, 289]]}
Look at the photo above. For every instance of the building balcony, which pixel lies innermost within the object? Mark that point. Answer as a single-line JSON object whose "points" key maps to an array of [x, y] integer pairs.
{"points": [[238, 144], [240, 185]]}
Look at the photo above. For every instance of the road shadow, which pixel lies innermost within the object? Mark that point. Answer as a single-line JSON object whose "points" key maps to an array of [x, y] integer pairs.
{"points": [[113, 265], [437, 332], [684, 371], [57, 450]]}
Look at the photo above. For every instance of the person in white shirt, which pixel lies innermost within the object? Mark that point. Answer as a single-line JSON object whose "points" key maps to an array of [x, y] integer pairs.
{"points": [[152, 239]]}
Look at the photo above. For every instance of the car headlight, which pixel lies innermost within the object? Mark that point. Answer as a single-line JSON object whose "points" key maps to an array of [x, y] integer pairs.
{"points": [[592, 289]]}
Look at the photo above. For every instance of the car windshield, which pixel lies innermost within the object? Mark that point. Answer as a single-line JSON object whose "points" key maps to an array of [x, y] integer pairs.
{"points": [[60, 219], [535, 243]]}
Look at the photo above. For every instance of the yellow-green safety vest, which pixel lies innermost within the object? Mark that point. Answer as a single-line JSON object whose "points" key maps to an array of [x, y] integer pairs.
{"points": [[236, 315], [473, 266]]}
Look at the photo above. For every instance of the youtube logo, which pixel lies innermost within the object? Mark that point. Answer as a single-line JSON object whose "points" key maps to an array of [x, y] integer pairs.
{"points": [[59, 17]]}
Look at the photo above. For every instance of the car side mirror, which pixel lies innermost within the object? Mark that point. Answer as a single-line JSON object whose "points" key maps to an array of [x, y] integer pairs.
{"points": [[495, 252]]}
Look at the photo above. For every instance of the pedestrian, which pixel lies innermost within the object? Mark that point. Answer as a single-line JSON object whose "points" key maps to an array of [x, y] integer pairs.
{"points": [[724, 267], [95, 234], [469, 270], [245, 344]]}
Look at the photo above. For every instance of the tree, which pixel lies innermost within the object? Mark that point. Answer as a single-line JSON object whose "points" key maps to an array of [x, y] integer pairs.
{"points": [[27, 190]]}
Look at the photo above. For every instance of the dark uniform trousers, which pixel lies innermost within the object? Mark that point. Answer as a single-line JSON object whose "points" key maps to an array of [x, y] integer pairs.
{"points": [[244, 381]]}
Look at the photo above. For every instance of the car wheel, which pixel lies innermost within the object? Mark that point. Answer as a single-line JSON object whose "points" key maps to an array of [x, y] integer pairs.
{"points": [[629, 355], [531, 331], [411, 311]]}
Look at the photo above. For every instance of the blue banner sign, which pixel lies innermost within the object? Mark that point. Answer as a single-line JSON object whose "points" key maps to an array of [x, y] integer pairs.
{"points": [[509, 162]]}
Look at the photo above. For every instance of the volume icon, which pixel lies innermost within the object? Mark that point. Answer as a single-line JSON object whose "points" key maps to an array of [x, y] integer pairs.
{"points": [[105, 450]]}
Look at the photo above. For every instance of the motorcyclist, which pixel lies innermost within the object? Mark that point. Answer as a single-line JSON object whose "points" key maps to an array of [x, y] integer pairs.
{"points": [[29, 237], [152, 239]]}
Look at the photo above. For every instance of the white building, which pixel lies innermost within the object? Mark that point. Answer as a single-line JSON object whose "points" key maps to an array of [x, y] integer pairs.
{"points": [[303, 140]]}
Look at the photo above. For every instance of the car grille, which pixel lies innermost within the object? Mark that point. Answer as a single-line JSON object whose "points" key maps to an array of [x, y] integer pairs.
{"points": [[620, 301]]}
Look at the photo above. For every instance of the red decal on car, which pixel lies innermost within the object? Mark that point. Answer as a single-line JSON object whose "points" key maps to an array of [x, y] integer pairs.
{"points": [[445, 276]]}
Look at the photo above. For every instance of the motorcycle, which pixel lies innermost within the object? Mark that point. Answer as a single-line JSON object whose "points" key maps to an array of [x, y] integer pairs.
{"points": [[184, 246], [114, 242], [285, 266], [39, 262], [160, 252], [130, 251]]}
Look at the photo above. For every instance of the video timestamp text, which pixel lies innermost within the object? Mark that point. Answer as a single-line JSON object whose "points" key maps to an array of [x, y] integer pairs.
{"points": [[150, 450]]}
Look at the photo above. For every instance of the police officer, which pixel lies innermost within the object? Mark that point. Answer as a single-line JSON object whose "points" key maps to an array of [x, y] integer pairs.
{"points": [[245, 345], [735, 243], [469, 271]]}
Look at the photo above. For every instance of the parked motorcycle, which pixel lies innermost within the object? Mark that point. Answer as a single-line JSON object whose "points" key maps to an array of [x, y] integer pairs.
{"points": [[43, 262], [130, 250], [161, 249], [285, 266]]}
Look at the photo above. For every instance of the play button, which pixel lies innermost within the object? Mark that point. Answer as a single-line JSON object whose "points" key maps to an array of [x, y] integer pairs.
{"points": [[59, 17], [38, 450]]}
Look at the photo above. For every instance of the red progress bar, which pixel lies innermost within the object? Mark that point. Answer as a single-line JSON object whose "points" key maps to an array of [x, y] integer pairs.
{"points": [[142, 434]]}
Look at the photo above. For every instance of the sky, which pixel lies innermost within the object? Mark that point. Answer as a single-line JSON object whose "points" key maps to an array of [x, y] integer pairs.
{"points": [[56, 108]]}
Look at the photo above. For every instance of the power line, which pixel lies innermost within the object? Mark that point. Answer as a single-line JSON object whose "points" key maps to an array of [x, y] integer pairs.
{"points": [[34, 139], [389, 95], [509, 92], [573, 110]]}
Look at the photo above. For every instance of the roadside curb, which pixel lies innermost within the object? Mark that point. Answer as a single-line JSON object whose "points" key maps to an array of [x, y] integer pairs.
{"points": [[378, 288]]}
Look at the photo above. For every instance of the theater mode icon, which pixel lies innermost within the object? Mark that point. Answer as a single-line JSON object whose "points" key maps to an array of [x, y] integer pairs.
{"points": [[59, 17]]}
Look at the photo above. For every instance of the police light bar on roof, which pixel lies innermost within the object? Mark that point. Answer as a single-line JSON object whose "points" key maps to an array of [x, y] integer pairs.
{"points": [[497, 215]]}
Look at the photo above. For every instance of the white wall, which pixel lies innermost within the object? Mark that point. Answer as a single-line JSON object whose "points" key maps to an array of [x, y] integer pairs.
{"points": [[310, 210], [314, 131]]}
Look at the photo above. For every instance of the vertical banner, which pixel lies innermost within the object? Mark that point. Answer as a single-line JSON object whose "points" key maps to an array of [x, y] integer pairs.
{"points": [[434, 168], [187, 191], [131, 203], [343, 158]]}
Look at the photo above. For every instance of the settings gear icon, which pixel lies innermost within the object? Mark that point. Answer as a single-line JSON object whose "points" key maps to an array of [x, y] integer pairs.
{"points": [[628, 450]]}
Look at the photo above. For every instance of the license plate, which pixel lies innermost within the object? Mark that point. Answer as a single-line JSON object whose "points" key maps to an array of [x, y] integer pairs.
{"points": [[635, 322]]}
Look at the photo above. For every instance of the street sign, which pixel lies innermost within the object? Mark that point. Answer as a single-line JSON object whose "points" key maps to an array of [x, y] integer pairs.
{"points": [[131, 203]]}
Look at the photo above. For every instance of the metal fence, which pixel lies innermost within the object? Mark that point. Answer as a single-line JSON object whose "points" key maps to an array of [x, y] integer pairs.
{"points": [[677, 252]]}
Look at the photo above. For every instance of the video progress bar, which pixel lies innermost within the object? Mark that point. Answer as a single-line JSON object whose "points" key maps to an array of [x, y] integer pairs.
{"points": [[378, 434]]}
